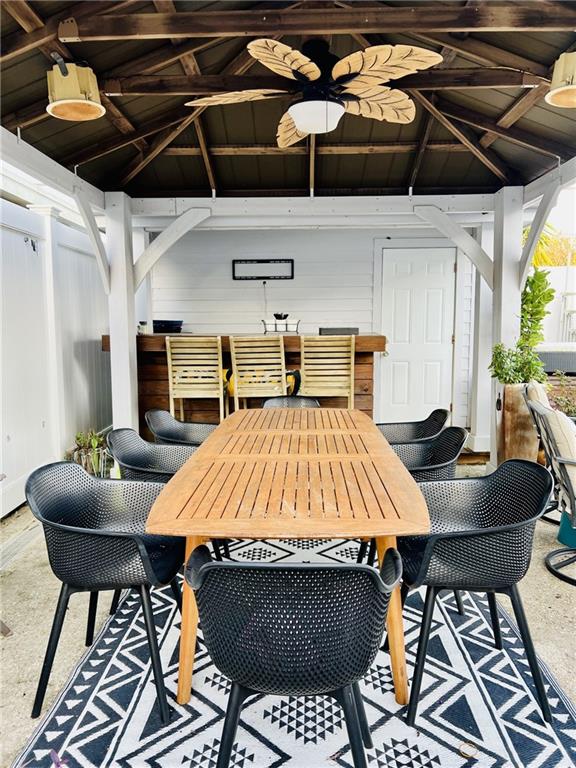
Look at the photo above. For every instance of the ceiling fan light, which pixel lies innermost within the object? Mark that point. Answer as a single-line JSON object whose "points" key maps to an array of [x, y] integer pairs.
{"points": [[74, 96], [562, 91], [316, 115]]}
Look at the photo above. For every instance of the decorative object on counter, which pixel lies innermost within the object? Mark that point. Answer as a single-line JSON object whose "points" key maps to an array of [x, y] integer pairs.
{"points": [[327, 367], [195, 370], [167, 326], [258, 366], [142, 327], [90, 453], [514, 367], [263, 269], [281, 324]]}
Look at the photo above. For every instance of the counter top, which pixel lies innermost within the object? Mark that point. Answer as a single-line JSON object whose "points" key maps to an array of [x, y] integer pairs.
{"points": [[155, 342]]}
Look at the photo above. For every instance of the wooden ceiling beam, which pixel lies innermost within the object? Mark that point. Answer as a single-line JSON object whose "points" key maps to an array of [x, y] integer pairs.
{"points": [[483, 53], [486, 156], [390, 148], [422, 146], [515, 135], [94, 151], [19, 43], [521, 16], [200, 85], [515, 111]]}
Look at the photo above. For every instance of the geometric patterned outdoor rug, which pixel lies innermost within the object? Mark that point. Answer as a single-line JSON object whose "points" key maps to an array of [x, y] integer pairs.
{"points": [[477, 706]]}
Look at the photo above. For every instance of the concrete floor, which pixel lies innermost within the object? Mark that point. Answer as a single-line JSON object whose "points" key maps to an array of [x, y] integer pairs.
{"points": [[29, 592]]}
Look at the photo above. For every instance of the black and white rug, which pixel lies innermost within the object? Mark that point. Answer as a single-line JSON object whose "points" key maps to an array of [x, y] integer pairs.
{"points": [[477, 709]]}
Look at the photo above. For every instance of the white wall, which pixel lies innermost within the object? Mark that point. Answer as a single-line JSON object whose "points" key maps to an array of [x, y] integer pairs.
{"points": [[52, 298], [333, 283], [563, 280]]}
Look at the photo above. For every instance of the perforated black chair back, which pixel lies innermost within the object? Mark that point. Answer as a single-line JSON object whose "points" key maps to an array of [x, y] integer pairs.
{"points": [[140, 460], [408, 431], [296, 630], [169, 431], [291, 401], [482, 532], [96, 540], [435, 458]]}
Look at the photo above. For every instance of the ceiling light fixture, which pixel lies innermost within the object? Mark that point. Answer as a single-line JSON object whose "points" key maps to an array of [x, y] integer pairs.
{"points": [[562, 91], [316, 115], [73, 92]]}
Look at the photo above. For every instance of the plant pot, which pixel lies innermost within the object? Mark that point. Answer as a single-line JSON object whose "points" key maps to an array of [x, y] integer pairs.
{"points": [[517, 437]]}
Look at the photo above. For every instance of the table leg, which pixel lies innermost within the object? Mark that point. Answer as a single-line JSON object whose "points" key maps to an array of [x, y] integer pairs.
{"points": [[188, 632], [395, 630]]}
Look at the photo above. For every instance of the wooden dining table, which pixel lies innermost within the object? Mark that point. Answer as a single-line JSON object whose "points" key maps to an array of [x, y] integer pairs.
{"points": [[282, 473]]}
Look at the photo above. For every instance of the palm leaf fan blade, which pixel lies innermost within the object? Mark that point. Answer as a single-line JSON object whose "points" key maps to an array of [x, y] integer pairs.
{"points": [[383, 103], [283, 60], [381, 63], [287, 133], [235, 97]]}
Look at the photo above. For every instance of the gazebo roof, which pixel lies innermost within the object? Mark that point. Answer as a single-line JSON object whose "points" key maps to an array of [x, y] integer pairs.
{"points": [[464, 139]]}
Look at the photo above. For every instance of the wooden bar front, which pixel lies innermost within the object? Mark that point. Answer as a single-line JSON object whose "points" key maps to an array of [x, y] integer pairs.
{"points": [[153, 376]]}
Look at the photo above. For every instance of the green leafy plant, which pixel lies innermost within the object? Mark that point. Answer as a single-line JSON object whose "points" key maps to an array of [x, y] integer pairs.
{"points": [[564, 394], [519, 364], [89, 451], [553, 248]]}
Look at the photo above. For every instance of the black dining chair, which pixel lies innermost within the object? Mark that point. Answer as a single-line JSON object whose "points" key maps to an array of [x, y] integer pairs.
{"points": [[432, 459], [169, 431], [435, 458], [408, 431], [482, 530], [293, 630], [96, 540], [140, 460], [291, 401]]}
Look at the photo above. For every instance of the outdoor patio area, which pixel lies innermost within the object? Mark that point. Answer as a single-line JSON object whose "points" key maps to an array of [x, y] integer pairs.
{"points": [[288, 354]]}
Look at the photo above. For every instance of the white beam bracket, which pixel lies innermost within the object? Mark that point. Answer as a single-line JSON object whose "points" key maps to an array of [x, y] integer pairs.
{"points": [[546, 204], [91, 225], [166, 239], [453, 231]]}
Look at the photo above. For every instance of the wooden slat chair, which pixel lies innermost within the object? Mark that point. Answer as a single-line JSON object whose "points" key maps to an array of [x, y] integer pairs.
{"points": [[258, 366], [194, 370], [327, 367]]}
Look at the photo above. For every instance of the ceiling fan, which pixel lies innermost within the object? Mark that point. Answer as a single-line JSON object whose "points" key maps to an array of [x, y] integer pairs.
{"points": [[329, 86]]}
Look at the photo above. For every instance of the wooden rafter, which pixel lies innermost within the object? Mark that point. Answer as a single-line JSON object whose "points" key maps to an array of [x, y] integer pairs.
{"points": [[195, 84], [256, 150], [29, 20], [422, 146], [190, 67], [312, 164], [513, 134], [480, 17], [19, 43], [486, 156], [515, 111]]}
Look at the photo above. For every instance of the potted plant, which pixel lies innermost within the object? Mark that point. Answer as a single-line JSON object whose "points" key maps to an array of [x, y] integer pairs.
{"points": [[514, 367], [90, 452]]}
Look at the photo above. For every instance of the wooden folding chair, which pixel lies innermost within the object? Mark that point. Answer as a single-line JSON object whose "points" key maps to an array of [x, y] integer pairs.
{"points": [[327, 367], [194, 369]]}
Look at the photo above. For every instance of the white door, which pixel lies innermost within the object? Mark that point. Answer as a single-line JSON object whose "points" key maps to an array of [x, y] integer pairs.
{"points": [[418, 321], [25, 427]]}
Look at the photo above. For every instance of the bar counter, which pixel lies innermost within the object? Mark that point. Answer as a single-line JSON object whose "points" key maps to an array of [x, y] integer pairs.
{"points": [[153, 376]]}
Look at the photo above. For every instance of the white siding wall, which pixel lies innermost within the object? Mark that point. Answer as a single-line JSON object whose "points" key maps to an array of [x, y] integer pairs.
{"points": [[464, 339], [333, 283], [68, 370], [82, 318]]}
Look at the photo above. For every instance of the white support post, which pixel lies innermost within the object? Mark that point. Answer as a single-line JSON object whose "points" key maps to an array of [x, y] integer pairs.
{"points": [[481, 392], [54, 373], [464, 241], [166, 239], [547, 202], [94, 236], [508, 221], [122, 314]]}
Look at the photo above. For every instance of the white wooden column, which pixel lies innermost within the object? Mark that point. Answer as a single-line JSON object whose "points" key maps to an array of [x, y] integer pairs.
{"points": [[508, 219], [122, 311], [481, 392], [54, 373]]}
